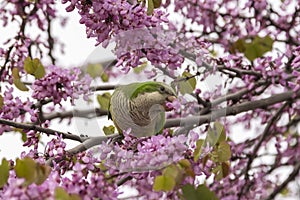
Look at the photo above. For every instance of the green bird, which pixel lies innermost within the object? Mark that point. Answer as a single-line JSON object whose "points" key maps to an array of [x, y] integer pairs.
{"points": [[141, 107]]}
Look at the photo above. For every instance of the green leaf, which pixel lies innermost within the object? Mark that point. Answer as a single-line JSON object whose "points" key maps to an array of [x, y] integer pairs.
{"points": [[31, 171], [190, 193], [251, 52], [150, 7], [171, 171], [225, 168], [256, 48], [198, 150], [140, 68], [187, 86], [215, 134], [156, 3], [186, 165], [95, 70], [238, 46], [23, 136], [4, 172], [223, 151], [43, 172], [202, 192], [39, 70], [34, 67], [29, 66], [20, 85], [103, 100], [17, 81], [206, 193], [26, 169], [61, 194], [1, 102], [285, 192], [164, 183], [220, 128], [221, 170], [104, 77], [218, 172], [109, 130]]}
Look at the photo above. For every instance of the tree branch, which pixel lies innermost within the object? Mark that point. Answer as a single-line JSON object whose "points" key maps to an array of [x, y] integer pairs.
{"points": [[291, 177], [233, 110], [89, 113], [237, 95], [50, 38], [41, 129], [87, 144], [262, 138], [103, 87]]}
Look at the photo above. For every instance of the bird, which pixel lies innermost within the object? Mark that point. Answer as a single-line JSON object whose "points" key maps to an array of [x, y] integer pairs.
{"points": [[140, 107]]}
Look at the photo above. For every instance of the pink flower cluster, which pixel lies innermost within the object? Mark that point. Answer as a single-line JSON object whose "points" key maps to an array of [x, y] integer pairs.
{"points": [[15, 188], [153, 153], [26, 14], [86, 185], [296, 60], [89, 185], [106, 18], [60, 84], [295, 85], [224, 22], [16, 109]]}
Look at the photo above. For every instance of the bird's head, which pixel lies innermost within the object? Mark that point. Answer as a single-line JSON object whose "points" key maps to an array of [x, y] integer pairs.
{"points": [[153, 93]]}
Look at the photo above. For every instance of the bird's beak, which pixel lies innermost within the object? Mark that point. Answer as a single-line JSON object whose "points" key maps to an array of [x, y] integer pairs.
{"points": [[169, 99]]}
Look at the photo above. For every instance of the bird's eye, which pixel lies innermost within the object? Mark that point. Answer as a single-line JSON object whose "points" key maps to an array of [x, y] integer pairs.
{"points": [[162, 88]]}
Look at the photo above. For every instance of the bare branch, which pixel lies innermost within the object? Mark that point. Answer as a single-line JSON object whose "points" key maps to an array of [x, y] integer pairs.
{"points": [[237, 95], [50, 38], [291, 177], [41, 129], [89, 113], [262, 138], [233, 110], [103, 87]]}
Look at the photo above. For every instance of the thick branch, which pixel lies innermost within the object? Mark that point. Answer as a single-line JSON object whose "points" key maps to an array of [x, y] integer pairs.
{"points": [[89, 113], [103, 87], [233, 110], [91, 142], [87, 144]]}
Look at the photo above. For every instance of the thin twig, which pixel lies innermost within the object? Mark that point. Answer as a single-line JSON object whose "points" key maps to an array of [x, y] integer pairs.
{"points": [[291, 177], [263, 136], [124, 180]]}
